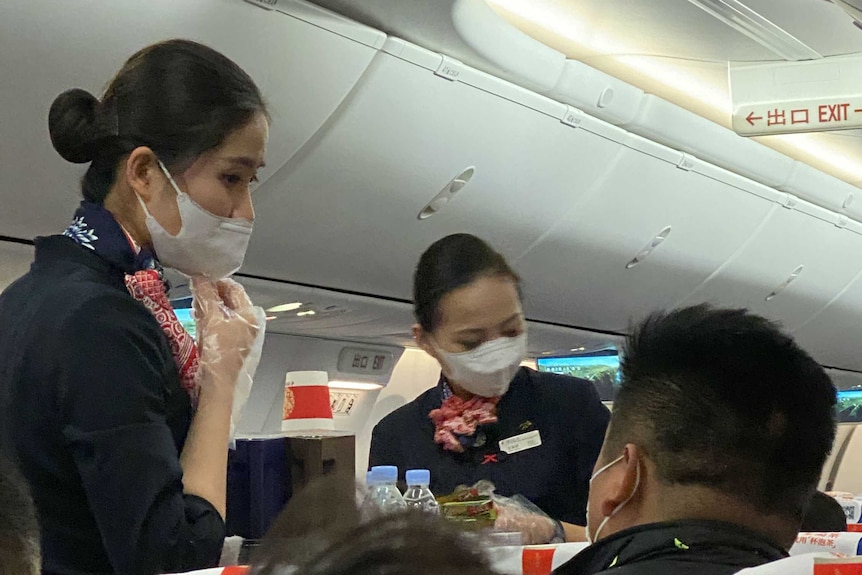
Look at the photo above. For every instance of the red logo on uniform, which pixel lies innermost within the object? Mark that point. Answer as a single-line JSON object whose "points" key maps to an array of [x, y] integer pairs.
{"points": [[490, 458]]}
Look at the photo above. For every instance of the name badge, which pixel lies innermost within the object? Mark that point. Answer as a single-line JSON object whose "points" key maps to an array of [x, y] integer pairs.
{"points": [[521, 442]]}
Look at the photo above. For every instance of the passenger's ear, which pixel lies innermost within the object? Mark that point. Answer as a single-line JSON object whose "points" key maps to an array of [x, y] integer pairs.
{"points": [[623, 479]]}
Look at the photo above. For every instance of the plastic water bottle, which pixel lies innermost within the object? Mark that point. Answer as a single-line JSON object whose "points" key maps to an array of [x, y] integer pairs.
{"points": [[418, 495], [362, 491], [385, 494], [368, 508]]}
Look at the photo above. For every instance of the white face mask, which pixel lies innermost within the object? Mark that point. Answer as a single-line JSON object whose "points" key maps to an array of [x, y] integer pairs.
{"points": [[206, 245], [593, 538], [487, 370]]}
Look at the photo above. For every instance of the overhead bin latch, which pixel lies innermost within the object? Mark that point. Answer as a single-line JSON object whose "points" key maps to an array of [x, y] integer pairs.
{"points": [[449, 68], [790, 201], [842, 221], [686, 163], [573, 117]]}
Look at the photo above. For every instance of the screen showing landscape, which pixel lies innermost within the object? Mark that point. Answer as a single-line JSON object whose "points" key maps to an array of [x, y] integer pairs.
{"points": [[849, 406], [601, 368]]}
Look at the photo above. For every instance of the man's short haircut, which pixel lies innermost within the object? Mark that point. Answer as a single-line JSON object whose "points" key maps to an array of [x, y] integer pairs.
{"points": [[19, 529], [824, 514], [724, 399], [320, 533]]}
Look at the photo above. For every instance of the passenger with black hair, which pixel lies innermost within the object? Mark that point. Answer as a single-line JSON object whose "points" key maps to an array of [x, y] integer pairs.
{"points": [[824, 514], [119, 421], [319, 533], [400, 544], [718, 437], [19, 530], [531, 434]]}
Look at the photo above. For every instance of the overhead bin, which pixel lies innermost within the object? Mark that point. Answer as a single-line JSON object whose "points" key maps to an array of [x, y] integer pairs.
{"points": [[799, 260], [466, 30], [824, 190], [599, 94], [680, 129], [345, 212], [834, 335], [304, 70], [657, 226]]}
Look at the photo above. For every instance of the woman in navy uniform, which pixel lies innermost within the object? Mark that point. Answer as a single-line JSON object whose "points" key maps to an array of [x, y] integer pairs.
{"points": [[120, 423], [532, 434]]}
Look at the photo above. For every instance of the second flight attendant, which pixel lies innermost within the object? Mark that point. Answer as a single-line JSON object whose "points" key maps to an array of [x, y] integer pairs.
{"points": [[530, 433]]}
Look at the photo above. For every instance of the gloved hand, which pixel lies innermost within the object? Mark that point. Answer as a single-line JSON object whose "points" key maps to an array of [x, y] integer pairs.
{"points": [[536, 529], [228, 326]]}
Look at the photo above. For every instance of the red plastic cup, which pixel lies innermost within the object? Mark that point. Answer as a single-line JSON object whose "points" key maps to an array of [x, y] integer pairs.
{"points": [[537, 560]]}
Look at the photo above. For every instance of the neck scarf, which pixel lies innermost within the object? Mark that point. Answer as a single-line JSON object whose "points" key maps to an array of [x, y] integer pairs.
{"points": [[458, 422], [95, 228]]}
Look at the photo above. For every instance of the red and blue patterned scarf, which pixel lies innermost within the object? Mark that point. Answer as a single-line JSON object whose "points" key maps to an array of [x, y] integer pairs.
{"points": [[95, 228]]}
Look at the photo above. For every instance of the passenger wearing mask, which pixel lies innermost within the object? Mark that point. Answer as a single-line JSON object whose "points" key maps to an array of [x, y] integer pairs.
{"points": [[531, 434], [719, 433], [119, 421]]}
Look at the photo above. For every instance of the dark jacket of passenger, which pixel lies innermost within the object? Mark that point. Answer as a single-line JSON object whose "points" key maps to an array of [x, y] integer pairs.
{"points": [[678, 548]]}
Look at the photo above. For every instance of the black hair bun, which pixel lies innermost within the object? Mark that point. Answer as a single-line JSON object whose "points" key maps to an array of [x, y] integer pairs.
{"points": [[73, 127]]}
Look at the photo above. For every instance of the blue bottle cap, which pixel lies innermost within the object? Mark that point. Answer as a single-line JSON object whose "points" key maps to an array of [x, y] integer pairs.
{"points": [[418, 477], [385, 473]]}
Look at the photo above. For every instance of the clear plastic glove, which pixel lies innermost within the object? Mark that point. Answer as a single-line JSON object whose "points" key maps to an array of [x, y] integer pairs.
{"points": [[536, 528], [230, 340], [519, 514]]}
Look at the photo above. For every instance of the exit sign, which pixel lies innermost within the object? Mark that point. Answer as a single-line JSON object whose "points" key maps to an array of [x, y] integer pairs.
{"points": [[792, 117], [791, 97]]}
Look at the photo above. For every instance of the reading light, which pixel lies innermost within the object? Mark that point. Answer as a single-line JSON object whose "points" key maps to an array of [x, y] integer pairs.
{"points": [[285, 307], [306, 312], [359, 386]]}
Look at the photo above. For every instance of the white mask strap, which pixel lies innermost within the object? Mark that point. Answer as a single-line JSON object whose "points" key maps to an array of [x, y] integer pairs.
{"points": [[170, 178], [592, 539], [606, 467]]}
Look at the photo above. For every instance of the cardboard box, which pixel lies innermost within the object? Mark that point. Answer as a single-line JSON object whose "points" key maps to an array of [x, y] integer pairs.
{"points": [[314, 456]]}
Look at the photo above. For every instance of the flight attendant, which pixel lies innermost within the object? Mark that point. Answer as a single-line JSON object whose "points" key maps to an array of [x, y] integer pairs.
{"points": [[119, 422], [533, 434]]}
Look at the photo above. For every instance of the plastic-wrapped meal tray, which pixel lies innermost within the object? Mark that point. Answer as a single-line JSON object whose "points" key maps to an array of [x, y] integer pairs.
{"points": [[470, 514], [469, 509]]}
